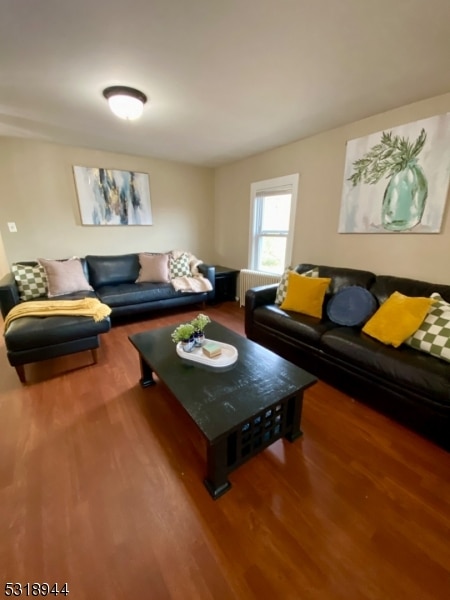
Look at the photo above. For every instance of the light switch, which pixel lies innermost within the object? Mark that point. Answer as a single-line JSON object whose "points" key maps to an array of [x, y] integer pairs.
{"points": [[12, 227]]}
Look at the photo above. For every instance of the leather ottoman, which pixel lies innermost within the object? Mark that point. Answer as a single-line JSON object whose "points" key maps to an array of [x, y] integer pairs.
{"points": [[32, 339]]}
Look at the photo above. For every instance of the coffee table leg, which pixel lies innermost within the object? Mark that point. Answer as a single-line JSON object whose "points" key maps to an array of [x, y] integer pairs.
{"points": [[294, 417], [216, 481], [146, 379]]}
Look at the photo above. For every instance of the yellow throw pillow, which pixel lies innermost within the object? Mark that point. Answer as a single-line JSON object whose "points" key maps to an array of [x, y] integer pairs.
{"points": [[397, 318], [305, 294]]}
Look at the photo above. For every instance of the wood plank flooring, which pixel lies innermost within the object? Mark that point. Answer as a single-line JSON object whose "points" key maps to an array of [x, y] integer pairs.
{"points": [[101, 487]]}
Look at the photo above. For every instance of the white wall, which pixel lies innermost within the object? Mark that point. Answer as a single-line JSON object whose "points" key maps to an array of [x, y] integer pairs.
{"points": [[320, 161], [39, 195]]}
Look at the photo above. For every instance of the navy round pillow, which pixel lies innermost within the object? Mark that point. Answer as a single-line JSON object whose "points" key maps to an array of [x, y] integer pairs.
{"points": [[351, 306]]}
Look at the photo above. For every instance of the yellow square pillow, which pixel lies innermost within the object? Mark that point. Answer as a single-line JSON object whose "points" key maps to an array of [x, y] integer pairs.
{"points": [[397, 318], [305, 294]]}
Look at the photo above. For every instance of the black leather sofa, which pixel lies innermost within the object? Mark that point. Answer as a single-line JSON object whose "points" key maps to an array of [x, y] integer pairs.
{"points": [[31, 339], [408, 385], [113, 279]]}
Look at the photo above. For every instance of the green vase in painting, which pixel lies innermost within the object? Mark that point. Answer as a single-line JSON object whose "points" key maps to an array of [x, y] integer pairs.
{"points": [[404, 199]]}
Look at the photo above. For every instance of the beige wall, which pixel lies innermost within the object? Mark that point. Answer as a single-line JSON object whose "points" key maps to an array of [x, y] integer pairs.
{"points": [[320, 162], [39, 195], [4, 266]]}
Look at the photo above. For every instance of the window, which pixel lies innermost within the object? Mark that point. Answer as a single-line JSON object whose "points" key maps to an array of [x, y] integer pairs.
{"points": [[272, 223]]}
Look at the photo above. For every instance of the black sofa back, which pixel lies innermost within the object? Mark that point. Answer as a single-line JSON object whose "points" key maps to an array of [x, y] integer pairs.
{"points": [[340, 276], [381, 286], [111, 270], [385, 285]]}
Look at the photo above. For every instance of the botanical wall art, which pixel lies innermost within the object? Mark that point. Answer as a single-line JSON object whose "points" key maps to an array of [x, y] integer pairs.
{"points": [[113, 197], [396, 181]]}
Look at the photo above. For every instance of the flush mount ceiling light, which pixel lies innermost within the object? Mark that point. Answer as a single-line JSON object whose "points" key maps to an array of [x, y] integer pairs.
{"points": [[125, 102]]}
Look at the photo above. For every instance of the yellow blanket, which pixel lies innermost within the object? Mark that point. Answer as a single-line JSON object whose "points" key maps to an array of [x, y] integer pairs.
{"points": [[87, 307]]}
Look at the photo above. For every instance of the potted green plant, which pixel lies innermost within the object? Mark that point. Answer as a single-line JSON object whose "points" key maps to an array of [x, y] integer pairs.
{"points": [[199, 324], [184, 333]]}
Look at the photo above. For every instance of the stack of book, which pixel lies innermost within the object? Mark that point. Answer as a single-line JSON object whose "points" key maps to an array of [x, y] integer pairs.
{"points": [[211, 349]]}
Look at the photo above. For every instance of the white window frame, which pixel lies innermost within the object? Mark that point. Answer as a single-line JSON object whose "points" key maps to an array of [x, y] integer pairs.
{"points": [[285, 184]]}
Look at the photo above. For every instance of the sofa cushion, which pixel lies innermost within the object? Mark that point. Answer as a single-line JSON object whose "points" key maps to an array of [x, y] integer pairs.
{"points": [[125, 294], [299, 327], [283, 285], [351, 306], [111, 270], [433, 335], [64, 276], [154, 268], [397, 318], [31, 281], [39, 332], [402, 367], [305, 294], [342, 277]]}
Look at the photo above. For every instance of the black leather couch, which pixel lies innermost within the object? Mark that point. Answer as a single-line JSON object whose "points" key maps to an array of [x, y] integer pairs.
{"points": [[31, 339], [113, 279], [408, 385]]}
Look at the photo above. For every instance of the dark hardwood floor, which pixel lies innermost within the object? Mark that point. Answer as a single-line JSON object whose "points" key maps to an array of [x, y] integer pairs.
{"points": [[101, 487]]}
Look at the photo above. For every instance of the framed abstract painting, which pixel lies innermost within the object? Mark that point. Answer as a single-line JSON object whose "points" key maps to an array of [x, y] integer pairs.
{"points": [[397, 180], [112, 197]]}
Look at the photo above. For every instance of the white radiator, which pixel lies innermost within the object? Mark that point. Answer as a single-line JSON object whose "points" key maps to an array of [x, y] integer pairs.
{"points": [[249, 279]]}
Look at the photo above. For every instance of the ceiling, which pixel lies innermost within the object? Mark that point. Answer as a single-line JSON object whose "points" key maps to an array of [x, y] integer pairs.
{"points": [[225, 78]]}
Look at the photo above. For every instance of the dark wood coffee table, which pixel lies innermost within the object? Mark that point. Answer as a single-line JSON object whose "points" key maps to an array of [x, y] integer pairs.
{"points": [[240, 409]]}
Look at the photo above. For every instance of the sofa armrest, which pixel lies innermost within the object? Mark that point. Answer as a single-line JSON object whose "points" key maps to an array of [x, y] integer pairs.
{"points": [[209, 271], [9, 294], [257, 296]]}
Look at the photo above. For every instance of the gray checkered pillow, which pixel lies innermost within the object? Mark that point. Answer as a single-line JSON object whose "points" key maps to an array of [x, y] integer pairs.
{"points": [[283, 285], [31, 281], [179, 267], [433, 336]]}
